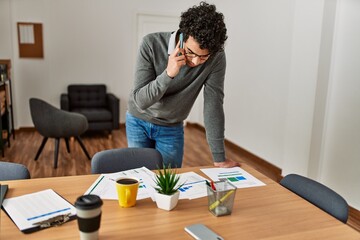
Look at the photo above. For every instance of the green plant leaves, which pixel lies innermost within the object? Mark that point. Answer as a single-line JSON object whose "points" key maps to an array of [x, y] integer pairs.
{"points": [[166, 180]]}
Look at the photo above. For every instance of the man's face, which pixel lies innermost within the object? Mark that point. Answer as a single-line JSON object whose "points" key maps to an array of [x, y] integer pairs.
{"points": [[194, 54]]}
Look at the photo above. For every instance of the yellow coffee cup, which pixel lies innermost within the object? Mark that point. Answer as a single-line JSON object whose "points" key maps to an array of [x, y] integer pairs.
{"points": [[127, 189]]}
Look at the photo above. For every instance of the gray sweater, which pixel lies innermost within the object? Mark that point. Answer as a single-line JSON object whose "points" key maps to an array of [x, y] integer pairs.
{"points": [[158, 99]]}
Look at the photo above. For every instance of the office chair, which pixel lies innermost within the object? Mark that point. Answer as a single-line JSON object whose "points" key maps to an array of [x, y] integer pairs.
{"points": [[116, 160], [52, 122], [317, 194], [13, 171]]}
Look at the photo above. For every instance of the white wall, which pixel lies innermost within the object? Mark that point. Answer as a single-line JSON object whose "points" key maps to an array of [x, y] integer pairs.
{"points": [[340, 156], [257, 79], [292, 82], [5, 27]]}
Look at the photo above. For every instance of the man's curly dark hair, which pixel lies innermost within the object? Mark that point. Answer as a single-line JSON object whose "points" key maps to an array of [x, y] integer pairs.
{"points": [[205, 25]]}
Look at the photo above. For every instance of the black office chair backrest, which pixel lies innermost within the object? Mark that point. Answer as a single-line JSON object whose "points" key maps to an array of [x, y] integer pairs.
{"points": [[116, 160], [317, 194], [13, 171]]}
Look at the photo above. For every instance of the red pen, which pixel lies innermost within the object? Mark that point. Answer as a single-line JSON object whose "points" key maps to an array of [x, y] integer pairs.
{"points": [[213, 186]]}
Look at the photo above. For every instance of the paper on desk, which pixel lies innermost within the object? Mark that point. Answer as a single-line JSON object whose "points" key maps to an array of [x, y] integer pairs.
{"points": [[31, 208], [105, 185], [236, 175], [194, 186]]}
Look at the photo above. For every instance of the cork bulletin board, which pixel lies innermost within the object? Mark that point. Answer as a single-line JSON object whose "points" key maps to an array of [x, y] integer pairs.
{"points": [[30, 38]]}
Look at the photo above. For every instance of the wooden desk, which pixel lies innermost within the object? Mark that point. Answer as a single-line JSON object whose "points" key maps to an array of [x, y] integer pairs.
{"points": [[267, 212]]}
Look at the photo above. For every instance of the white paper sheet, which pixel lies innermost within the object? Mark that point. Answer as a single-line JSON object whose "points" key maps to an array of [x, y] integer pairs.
{"points": [[236, 175], [194, 186], [105, 188], [31, 208], [26, 33]]}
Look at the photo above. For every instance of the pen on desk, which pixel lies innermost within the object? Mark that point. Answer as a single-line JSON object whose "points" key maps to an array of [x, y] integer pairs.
{"points": [[215, 204], [213, 186], [96, 184]]}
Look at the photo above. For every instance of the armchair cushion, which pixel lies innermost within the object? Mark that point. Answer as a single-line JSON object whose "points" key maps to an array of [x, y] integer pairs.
{"points": [[99, 107], [87, 96]]}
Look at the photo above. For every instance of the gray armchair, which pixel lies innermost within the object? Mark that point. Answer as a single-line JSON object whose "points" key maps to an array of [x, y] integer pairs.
{"points": [[52, 122], [99, 107]]}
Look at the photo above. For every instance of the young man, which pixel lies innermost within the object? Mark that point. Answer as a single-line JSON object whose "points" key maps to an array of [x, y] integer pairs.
{"points": [[168, 80]]}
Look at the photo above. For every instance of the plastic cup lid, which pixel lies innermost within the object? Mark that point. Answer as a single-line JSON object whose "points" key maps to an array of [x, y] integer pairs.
{"points": [[88, 202]]}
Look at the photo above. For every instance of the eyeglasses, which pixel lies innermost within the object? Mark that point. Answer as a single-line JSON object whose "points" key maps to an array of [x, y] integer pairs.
{"points": [[194, 55]]}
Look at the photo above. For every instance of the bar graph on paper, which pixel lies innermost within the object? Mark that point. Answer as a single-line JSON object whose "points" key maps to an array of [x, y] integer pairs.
{"points": [[237, 176], [232, 177], [105, 187], [193, 186]]}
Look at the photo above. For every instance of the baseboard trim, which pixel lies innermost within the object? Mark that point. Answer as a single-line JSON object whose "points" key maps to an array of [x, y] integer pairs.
{"points": [[354, 218], [25, 129]]}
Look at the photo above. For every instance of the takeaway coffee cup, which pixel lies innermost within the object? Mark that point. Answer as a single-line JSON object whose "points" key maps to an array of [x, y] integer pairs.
{"points": [[88, 211], [127, 189]]}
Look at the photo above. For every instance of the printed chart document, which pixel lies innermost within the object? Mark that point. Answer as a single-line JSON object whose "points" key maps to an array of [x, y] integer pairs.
{"points": [[194, 186], [105, 185], [27, 211], [236, 175]]}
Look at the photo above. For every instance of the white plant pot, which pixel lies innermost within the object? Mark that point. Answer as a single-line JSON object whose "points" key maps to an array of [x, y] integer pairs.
{"points": [[167, 202]]}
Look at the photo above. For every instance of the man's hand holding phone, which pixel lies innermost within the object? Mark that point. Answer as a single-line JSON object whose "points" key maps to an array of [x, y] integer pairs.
{"points": [[176, 59]]}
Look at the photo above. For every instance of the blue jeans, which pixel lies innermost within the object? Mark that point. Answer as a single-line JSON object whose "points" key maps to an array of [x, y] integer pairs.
{"points": [[168, 140]]}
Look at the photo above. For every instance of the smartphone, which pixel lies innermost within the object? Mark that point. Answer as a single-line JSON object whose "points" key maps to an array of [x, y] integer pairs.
{"points": [[181, 39], [201, 232]]}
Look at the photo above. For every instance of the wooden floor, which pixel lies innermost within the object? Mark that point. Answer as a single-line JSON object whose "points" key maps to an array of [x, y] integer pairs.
{"points": [[23, 150]]}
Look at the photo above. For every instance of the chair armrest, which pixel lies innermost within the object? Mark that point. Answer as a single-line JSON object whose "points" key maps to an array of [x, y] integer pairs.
{"points": [[113, 104], [64, 102]]}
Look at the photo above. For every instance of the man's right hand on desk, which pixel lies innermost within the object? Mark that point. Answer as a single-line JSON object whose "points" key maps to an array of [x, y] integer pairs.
{"points": [[228, 163]]}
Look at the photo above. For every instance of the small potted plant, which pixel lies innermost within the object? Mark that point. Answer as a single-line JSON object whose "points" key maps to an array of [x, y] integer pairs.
{"points": [[167, 188]]}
